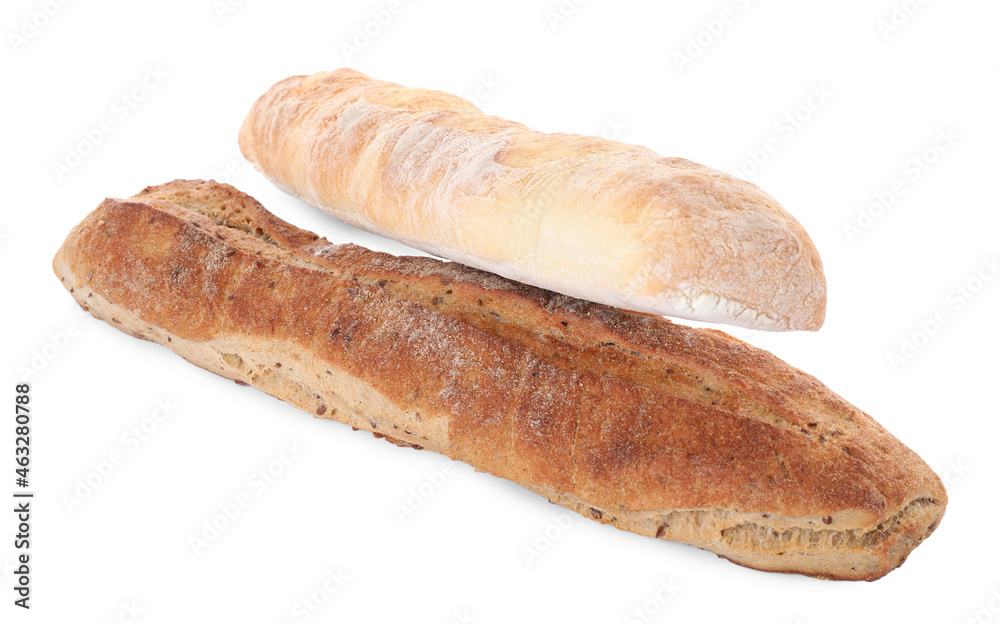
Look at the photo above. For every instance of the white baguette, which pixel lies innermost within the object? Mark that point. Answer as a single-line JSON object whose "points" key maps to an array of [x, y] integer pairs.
{"points": [[584, 216]]}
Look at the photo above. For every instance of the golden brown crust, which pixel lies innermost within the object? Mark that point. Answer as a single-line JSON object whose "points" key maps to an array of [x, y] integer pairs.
{"points": [[589, 217], [630, 419]]}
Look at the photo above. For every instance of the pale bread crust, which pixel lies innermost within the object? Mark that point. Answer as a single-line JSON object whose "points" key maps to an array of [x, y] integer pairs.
{"points": [[653, 427], [584, 216]]}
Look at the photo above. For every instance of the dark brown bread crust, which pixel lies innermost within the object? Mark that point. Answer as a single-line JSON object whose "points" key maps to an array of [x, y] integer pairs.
{"points": [[632, 416]]}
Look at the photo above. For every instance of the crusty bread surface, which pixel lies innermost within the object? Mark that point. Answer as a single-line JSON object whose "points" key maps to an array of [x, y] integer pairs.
{"points": [[584, 216], [669, 431]]}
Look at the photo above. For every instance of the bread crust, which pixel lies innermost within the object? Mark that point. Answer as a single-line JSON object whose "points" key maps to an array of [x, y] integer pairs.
{"points": [[665, 430], [584, 216]]}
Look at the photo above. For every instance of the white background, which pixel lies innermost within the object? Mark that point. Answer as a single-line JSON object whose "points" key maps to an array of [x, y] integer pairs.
{"points": [[613, 68]]}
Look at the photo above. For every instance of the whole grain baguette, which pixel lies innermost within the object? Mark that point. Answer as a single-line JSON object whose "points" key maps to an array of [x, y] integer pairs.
{"points": [[668, 431], [584, 216]]}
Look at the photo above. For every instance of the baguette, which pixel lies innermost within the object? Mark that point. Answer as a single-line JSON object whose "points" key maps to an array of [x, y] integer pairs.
{"points": [[669, 431], [583, 216]]}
